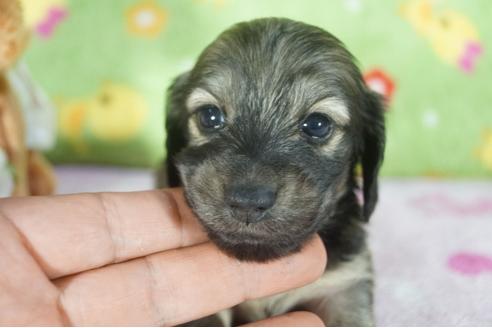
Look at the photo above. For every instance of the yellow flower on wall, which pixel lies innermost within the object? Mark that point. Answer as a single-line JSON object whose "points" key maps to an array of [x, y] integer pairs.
{"points": [[71, 118], [116, 113], [451, 34], [146, 18], [485, 151], [36, 11]]}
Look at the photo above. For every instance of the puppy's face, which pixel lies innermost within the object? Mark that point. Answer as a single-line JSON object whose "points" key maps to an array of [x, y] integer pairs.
{"points": [[274, 118]]}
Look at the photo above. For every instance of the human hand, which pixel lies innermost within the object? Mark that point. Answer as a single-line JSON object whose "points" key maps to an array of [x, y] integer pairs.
{"points": [[136, 258]]}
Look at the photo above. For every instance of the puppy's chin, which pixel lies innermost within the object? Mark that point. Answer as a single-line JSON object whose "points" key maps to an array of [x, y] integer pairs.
{"points": [[255, 249]]}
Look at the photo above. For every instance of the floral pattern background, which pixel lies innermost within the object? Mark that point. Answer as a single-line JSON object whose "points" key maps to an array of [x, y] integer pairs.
{"points": [[429, 58]]}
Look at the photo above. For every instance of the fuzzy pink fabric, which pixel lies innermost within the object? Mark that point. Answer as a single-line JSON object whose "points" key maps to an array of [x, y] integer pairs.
{"points": [[432, 246], [431, 242]]}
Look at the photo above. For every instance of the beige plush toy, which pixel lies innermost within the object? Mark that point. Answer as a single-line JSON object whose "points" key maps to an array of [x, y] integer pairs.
{"points": [[23, 170]]}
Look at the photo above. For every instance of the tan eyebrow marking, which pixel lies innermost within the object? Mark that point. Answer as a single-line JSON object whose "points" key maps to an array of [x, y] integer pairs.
{"points": [[335, 107], [333, 143], [196, 137], [199, 97]]}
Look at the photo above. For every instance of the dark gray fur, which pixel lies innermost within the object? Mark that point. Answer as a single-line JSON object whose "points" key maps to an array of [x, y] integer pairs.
{"points": [[266, 74]]}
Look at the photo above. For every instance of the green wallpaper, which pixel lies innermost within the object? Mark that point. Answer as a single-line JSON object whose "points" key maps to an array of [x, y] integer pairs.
{"points": [[104, 55]]}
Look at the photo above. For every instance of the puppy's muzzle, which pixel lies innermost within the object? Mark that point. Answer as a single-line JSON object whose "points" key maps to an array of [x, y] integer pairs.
{"points": [[249, 203]]}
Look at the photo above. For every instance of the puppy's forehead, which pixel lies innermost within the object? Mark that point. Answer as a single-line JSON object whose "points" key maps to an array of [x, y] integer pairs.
{"points": [[276, 63]]}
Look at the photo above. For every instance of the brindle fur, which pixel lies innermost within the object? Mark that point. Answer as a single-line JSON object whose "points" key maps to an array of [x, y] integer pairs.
{"points": [[266, 75]]}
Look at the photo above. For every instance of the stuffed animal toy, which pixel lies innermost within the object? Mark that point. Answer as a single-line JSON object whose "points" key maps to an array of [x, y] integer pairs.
{"points": [[24, 110]]}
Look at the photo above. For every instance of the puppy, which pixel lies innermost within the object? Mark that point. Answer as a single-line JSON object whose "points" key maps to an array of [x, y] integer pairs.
{"points": [[265, 133]]}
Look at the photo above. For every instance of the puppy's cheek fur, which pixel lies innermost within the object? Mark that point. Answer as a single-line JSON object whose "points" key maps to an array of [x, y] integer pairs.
{"points": [[298, 202], [203, 189]]}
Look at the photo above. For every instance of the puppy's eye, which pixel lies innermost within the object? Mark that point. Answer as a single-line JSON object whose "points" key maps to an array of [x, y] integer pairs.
{"points": [[210, 117], [317, 126]]}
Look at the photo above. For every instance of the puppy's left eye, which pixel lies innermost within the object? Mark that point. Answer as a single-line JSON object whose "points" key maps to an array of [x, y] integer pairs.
{"points": [[316, 126], [210, 117]]}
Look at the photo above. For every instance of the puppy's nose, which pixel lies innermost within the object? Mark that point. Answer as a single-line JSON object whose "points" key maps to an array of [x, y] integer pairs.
{"points": [[250, 197]]}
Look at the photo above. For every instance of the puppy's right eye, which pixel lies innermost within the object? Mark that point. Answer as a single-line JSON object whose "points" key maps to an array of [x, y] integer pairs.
{"points": [[316, 126], [210, 117]]}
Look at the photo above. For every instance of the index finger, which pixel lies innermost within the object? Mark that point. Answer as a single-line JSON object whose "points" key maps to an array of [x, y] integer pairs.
{"points": [[74, 233], [181, 285]]}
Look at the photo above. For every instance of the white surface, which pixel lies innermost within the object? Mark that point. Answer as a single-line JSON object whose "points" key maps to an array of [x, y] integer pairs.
{"points": [[73, 179]]}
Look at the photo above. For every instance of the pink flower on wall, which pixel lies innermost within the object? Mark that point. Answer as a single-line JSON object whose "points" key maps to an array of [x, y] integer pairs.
{"points": [[380, 82], [53, 18], [469, 57]]}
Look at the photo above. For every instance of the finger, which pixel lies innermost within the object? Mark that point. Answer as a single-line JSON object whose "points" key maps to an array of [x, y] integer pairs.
{"points": [[35, 305], [181, 285], [292, 319], [73, 233]]}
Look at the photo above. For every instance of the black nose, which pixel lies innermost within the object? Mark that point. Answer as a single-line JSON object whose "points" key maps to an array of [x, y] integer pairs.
{"points": [[252, 198]]}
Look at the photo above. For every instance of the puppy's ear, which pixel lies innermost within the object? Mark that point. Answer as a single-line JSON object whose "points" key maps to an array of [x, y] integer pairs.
{"points": [[372, 150], [176, 126]]}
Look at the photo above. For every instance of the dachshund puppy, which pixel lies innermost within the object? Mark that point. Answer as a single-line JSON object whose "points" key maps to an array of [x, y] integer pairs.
{"points": [[265, 133]]}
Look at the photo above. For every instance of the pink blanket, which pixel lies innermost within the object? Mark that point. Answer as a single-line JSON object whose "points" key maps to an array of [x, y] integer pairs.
{"points": [[432, 245]]}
